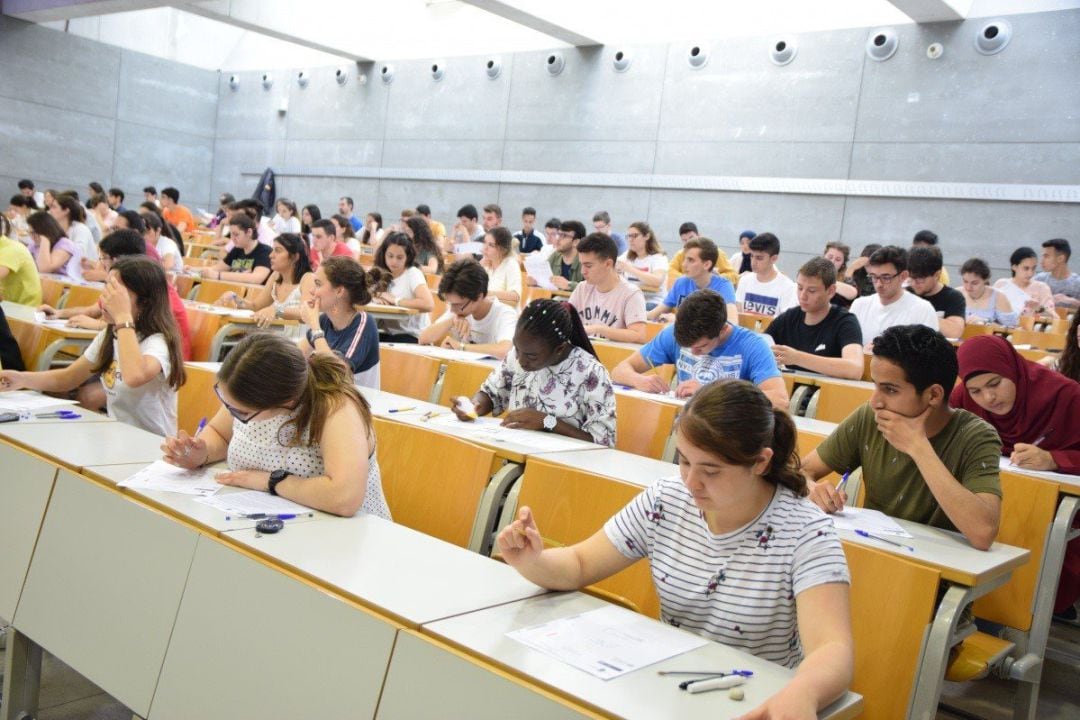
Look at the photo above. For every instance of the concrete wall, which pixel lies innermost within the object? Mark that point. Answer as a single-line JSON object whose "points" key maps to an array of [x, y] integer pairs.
{"points": [[73, 110], [644, 136]]}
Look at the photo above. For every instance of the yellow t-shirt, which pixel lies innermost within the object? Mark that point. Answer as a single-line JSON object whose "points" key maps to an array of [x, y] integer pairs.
{"points": [[21, 284], [723, 266]]}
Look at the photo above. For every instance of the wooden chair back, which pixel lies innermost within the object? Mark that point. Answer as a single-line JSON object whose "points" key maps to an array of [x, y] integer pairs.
{"points": [[1027, 511], [571, 505], [81, 296], [407, 373], [208, 291], [652, 329], [462, 378], [1040, 340], [976, 330], [51, 291], [196, 399], [835, 402], [892, 603], [643, 426], [421, 494]]}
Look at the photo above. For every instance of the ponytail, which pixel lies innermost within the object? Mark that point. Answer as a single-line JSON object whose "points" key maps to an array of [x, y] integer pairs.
{"points": [[784, 469], [327, 386]]}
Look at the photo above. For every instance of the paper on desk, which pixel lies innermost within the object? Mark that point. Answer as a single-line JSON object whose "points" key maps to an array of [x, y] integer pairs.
{"points": [[16, 400], [490, 430], [539, 270], [871, 521], [448, 354], [469, 248], [162, 476], [607, 642], [250, 502], [43, 319]]}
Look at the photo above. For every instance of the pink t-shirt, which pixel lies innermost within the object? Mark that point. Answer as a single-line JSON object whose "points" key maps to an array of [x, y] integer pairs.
{"points": [[621, 306], [339, 249]]}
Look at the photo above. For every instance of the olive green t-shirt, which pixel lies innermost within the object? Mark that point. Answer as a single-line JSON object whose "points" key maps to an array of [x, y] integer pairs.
{"points": [[968, 446]]}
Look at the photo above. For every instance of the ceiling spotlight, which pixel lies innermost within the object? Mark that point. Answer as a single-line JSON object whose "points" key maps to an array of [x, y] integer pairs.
{"points": [[783, 51], [302, 78], [387, 74], [555, 63], [493, 67], [621, 61], [234, 82], [993, 37], [437, 71], [882, 44], [697, 56], [267, 81], [341, 76]]}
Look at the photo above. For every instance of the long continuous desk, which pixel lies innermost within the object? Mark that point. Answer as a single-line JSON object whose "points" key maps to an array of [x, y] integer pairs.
{"points": [[177, 620]]}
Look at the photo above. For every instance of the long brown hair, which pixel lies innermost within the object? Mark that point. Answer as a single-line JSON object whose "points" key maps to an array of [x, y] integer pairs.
{"points": [[267, 370], [1069, 364], [146, 279], [345, 272], [652, 245], [734, 420]]}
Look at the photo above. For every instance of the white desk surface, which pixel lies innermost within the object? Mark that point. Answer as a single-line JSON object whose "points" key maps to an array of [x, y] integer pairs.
{"points": [[440, 353], [99, 443], [1069, 484], [253, 642], [25, 313], [104, 587], [615, 464], [817, 427], [184, 506], [398, 572], [85, 416], [382, 402], [640, 694], [827, 380], [949, 552]]}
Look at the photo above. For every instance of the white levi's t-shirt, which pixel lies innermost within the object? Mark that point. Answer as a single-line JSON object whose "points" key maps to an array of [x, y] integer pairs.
{"points": [[151, 406], [765, 298]]}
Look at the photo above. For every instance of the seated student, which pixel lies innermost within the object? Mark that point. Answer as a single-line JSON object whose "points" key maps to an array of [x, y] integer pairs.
{"points": [[99, 210], [892, 305], [343, 230], [158, 243], [602, 224], [1034, 410], [929, 239], [291, 426], [71, 215], [765, 291], [504, 272], [564, 260], [922, 460], [704, 347], [699, 262], [1063, 283], [408, 288], [1026, 295], [52, 250], [373, 233], [609, 306], [738, 555], [334, 324], [289, 283], [119, 244], [18, 210], [116, 200], [688, 231], [167, 229], [10, 356], [467, 229], [551, 236], [983, 303], [19, 279], [175, 213], [529, 241], [818, 335], [429, 257], [473, 320], [745, 264], [248, 261], [857, 271], [551, 379], [924, 272], [644, 264], [838, 253], [138, 354], [325, 244], [286, 220]]}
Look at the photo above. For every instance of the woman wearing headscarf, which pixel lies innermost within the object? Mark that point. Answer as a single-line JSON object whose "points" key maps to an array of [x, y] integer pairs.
{"points": [[1035, 411]]}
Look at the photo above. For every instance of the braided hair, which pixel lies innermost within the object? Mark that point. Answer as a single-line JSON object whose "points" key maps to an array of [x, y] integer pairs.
{"points": [[556, 323]]}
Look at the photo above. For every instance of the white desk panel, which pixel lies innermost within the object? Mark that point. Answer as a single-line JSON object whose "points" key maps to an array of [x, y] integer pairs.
{"points": [[99, 443], [615, 464], [24, 495]]}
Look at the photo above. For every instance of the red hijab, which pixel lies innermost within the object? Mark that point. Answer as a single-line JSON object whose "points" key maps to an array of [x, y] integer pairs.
{"points": [[1047, 403]]}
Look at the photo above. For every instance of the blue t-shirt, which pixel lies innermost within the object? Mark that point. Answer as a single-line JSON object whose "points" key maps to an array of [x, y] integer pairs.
{"points": [[357, 223], [745, 356], [357, 342], [684, 286], [620, 242]]}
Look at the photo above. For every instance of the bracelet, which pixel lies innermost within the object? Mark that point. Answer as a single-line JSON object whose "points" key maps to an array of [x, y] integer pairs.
{"points": [[279, 310], [125, 326]]}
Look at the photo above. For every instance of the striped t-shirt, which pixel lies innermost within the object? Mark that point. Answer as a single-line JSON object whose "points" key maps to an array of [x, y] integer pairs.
{"points": [[738, 589]]}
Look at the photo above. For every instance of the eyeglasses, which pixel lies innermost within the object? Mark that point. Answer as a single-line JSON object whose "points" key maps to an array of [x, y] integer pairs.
{"points": [[633, 236], [881, 279], [566, 234], [244, 418], [459, 307]]}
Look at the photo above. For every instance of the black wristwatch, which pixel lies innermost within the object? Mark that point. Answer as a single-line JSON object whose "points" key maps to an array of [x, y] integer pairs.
{"points": [[276, 477]]}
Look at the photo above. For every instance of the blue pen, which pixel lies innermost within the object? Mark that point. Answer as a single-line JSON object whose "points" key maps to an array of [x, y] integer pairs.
{"points": [[843, 481], [60, 414], [202, 424], [264, 516], [865, 534]]}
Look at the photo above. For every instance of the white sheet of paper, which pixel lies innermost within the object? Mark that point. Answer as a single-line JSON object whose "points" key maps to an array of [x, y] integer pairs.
{"points": [[162, 476], [539, 270], [490, 430], [607, 642], [448, 354], [469, 248], [16, 400], [871, 521], [251, 502]]}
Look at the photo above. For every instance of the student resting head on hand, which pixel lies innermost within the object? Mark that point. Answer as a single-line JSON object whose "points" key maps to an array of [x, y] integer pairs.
{"points": [[551, 379], [738, 554], [291, 426], [138, 354]]}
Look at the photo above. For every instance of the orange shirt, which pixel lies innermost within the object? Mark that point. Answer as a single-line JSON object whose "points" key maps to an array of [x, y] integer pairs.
{"points": [[180, 214]]}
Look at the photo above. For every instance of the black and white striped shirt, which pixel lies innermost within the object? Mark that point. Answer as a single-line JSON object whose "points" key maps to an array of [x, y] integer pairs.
{"points": [[738, 589]]}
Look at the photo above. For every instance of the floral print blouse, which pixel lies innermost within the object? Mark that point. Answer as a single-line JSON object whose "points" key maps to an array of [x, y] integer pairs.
{"points": [[578, 391]]}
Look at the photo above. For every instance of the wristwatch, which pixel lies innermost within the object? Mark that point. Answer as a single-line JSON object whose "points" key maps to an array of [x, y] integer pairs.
{"points": [[279, 311], [317, 335], [125, 326], [276, 477], [550, 421]]}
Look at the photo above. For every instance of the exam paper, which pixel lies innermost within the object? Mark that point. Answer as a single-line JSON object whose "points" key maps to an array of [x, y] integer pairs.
{"points": [[607, 642], [490, 430], [16, 400], [539, 270], [469, 248], [250, 502], [162, 476], [871, 521], [448, 354]]}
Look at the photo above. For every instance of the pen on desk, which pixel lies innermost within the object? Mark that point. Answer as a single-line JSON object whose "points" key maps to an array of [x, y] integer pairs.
{"points": [[865, 534], [61, 414], [404, 409], [718, 683], [264, 516], [707, 673]]}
